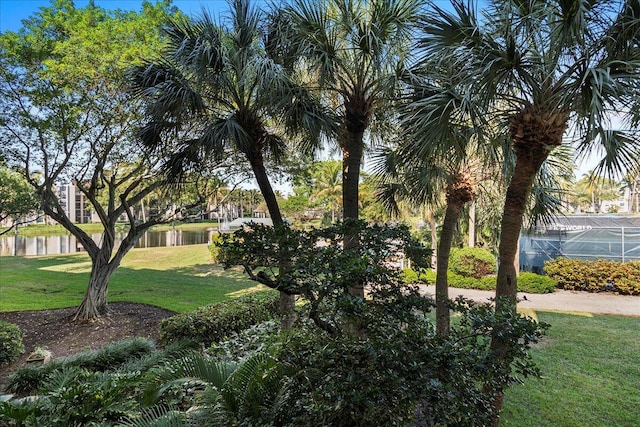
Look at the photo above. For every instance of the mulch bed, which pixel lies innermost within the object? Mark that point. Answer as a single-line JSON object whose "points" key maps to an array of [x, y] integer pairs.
{"points": [[54, 330]]}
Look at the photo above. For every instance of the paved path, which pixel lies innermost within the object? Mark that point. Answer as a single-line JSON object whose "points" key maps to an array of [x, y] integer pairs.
{"points": [[560, 300]]}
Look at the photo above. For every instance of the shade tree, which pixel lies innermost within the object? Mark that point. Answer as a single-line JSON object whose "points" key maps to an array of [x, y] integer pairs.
{"points": [[68, 120]]}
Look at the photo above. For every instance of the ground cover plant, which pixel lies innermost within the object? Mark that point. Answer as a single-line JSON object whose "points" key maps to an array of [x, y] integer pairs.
{"points": [[174, 278], [11, 345]]}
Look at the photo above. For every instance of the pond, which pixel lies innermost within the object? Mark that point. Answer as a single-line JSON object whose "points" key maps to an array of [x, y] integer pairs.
{"points": [[62, 244]]}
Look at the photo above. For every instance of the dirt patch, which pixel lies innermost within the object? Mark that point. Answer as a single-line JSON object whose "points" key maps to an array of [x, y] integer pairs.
{"points": [[53, 330]]}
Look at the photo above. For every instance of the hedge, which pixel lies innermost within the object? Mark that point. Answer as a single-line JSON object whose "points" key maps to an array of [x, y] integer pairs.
{"points": [[595, 276], [212, 323], [11, 345], [527, 282]]}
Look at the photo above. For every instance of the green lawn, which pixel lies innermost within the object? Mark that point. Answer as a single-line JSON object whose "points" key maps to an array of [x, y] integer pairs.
{"points": [[176, 278], [591, 375]]}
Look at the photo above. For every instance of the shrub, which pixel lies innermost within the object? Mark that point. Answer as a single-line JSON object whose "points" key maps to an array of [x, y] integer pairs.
{"points": [[595, 276], [472, 262], [527, 282], [214, 322], [214, 247], [30, 378], [399, 369], [11, 345], [535, 283]]}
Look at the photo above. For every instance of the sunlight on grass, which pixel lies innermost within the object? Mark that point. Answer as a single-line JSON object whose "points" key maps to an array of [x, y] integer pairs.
{"points": [[175, 278], [527, 312], [247, 291], [590, 374], [79, 267]]}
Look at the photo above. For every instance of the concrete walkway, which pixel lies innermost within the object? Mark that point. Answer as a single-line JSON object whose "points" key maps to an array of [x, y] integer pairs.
{"points": [[560, 300]]}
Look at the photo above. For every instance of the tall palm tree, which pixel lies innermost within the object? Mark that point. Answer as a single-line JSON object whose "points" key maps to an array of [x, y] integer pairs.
{"points": [[354, 51], [216, 86], [423, 181], [540, 67]]}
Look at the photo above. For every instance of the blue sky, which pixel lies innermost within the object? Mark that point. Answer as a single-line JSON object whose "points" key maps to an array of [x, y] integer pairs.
{"points": [[14, 11]]}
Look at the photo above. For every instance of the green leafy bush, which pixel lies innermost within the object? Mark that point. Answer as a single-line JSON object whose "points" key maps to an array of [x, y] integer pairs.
{"points": [[397, 369], [527, 282], [472, 262], [595, 276], [28, 379], [11, 345], [535, 283], [214, 247], [214, 322]]}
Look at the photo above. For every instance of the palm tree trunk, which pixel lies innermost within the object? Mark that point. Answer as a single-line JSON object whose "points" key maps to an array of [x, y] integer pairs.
{"points": [[506, 284], [260, 173], [351, 159], [452, 214], [512, 219], [472, 225], [434, 239], [286, 303]]}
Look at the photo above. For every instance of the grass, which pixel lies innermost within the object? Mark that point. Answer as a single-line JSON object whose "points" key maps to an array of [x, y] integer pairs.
{"points": [[175, 278], [591, 375]]}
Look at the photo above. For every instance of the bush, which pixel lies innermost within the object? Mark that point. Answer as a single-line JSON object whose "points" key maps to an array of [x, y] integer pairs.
{"points": [[399, 370], [595, 276], [30, 378], [214, 247], [535, 283], [214, 322], [527, 282], [472, 262], [11, 345]]}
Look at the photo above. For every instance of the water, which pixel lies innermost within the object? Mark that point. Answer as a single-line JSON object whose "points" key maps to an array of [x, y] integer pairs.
{"points": [[49, 245]]}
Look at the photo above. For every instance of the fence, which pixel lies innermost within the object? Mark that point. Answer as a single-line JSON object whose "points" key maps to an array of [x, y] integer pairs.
{"points": [[582, 238]]}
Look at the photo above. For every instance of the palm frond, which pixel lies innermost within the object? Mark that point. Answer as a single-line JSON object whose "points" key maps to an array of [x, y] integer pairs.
{"points": [[157, 416]]}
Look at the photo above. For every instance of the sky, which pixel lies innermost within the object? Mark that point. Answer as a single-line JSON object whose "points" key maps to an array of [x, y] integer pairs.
{"points": [[12, 12]]}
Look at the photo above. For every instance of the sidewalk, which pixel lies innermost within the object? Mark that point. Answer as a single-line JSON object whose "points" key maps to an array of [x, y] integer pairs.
{"points": [[560, 300]]}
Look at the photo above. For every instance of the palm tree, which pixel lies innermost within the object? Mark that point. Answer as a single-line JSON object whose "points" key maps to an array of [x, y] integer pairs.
{"points": [[423, 180], [355, 52], [539, 67], [327, 184], [216, 87]]}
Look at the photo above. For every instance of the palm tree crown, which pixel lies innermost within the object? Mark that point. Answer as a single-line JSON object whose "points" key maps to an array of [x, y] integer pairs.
{"points": [[218, 86], [355, 51]]}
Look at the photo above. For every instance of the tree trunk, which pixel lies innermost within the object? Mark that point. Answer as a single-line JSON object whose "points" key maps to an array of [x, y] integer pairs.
{"points": [[472, 225], [286, 303], [506, 283], [94, 303], [260, 173], [351, 160], [434, 239], [512, 218], [451, 217]]}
